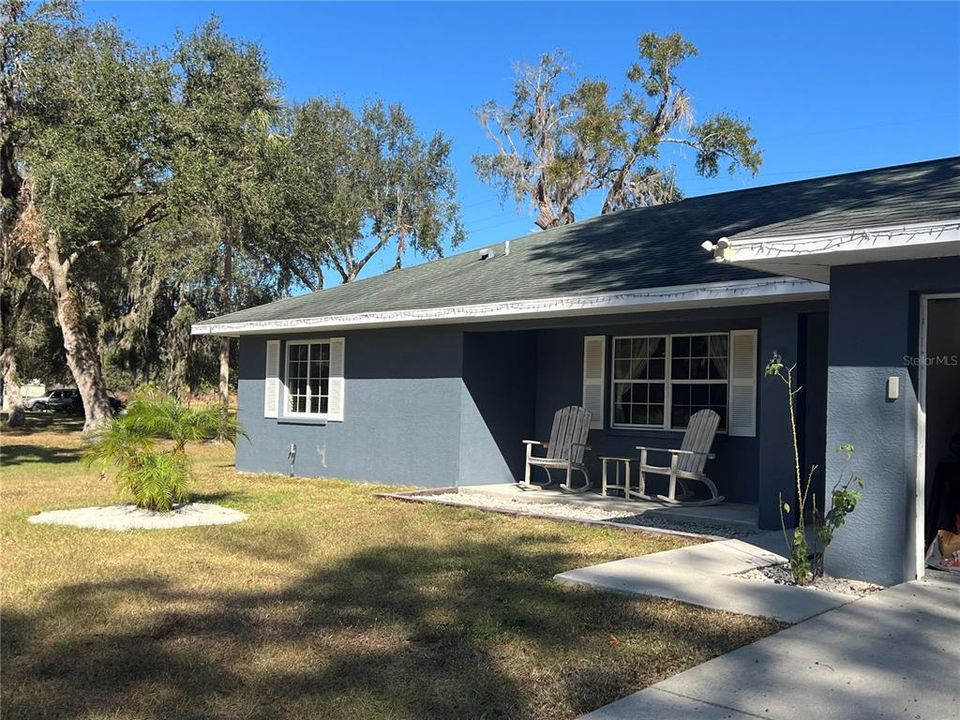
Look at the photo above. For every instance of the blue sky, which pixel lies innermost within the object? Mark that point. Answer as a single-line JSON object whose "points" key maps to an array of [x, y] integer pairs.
{"points": [[828, 87]]}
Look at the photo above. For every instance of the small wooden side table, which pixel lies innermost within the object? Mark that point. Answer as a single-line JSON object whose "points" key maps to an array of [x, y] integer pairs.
{"points": [[621, 465]]}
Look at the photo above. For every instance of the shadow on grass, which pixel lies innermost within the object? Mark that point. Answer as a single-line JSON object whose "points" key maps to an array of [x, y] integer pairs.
{"points": [[471, 629], [47, 422], [220, 496], [25, 454]]}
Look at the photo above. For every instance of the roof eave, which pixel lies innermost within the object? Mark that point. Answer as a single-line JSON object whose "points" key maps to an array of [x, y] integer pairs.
{"points": [[739, 292], [810, 256]]}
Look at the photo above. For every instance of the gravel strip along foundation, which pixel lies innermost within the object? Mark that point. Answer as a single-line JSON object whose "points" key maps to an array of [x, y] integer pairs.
{"points": [[590, 515], [780, 574], [130, 517]]}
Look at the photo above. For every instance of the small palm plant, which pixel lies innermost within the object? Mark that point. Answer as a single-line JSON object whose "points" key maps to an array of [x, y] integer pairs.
{"points": [[147, 445]]}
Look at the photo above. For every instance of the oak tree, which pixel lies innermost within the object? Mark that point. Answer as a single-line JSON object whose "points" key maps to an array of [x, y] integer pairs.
{"points": [[563, 137]]}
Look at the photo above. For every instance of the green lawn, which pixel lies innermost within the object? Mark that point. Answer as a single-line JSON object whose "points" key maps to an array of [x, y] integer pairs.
{"points": [[326, 603]]}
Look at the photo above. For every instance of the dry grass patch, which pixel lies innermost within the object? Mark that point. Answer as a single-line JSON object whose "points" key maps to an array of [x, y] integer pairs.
{"points": [[326, 603]]}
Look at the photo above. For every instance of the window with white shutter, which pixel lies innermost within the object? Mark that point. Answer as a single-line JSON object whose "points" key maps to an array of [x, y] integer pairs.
{"points": [[743, 383], [271, 383], [594, 362], [313, 383]]}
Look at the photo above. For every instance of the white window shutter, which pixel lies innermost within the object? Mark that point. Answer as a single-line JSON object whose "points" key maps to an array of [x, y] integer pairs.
{"points": [[271, 383], [594, 363], [336, 387], [742, 413]]}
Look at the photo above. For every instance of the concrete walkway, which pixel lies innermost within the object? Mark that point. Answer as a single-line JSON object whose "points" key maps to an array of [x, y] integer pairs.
{"points": [[701, 575], [893, 654]]}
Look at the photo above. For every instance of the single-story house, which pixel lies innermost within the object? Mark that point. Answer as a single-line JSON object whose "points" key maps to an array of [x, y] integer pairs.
{"points": [[433, 375]]}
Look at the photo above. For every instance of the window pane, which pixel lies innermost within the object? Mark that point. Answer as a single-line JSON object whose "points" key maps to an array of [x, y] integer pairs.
{"points": [[681, 395], [680, 369], [640, 414], [681, 347], [620, 413], [719, 345], [656, 393], [308, 377], [657, 369], [698, 346], [698, 368], [688, 398], [680, 416], [699, 395], [718, 395], [658, 347], [656, 414]]}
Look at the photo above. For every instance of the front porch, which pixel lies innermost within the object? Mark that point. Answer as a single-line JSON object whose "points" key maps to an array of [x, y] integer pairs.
{"points": [[740, 517], [643, 377]]}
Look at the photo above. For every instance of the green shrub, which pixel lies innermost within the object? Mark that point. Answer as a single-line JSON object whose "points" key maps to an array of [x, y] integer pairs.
{"points": [[147, 445]]}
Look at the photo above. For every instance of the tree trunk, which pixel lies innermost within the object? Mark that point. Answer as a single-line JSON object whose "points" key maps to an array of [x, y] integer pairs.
{"points": [[225, 308], [176, 356], [11, 388], [82, 358]]}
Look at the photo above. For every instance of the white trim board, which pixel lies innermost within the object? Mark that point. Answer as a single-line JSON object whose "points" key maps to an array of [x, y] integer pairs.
{"points": [[811, 255], [675, 297]]}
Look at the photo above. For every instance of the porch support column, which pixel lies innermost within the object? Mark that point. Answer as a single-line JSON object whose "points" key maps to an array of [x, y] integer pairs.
{"points": [[779, 332]]}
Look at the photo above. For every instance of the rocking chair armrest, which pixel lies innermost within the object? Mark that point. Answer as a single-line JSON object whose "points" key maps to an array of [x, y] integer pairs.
{"points": [[583, 445], [533, 442], [708, 455]]}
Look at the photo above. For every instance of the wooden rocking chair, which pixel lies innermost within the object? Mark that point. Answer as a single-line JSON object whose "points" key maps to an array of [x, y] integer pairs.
{"points": [[564, 450], [686, 464]]}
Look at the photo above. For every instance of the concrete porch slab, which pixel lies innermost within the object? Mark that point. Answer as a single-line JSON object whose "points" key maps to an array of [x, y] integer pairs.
{"points": [[725, 514]]}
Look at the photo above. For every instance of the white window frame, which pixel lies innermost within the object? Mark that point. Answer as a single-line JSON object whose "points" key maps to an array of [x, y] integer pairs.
{"points": [[667, 380], [284, 410]]}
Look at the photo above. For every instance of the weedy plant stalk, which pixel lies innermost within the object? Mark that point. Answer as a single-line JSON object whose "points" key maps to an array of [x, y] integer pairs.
{"points": [[806, 563]]}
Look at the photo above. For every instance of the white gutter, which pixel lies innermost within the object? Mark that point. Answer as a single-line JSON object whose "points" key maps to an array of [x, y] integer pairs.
{"points": [[740, 292], [890, 237]]}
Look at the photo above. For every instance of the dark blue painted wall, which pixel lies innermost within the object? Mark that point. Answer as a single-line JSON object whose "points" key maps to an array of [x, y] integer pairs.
{"points": [[741, 461], [498, 405], [874, 320]]}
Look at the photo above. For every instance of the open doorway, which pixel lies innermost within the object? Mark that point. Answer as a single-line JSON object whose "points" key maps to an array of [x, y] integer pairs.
{"points": [[939, 461]]}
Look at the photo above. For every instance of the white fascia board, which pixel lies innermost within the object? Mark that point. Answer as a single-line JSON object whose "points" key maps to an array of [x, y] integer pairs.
{"points": [[740, 292], [793, 248]]}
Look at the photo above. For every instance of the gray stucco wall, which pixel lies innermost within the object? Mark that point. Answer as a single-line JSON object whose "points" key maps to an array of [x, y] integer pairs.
{"points": [[449, 405], [874, 320], [402, 412]]}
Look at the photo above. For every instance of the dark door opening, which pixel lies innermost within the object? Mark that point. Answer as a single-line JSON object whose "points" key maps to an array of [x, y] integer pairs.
{"points": [[942, 410]]}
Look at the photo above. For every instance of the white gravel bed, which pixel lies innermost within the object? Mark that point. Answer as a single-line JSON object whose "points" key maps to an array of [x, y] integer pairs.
{"points": [[130, 517], [780, 574], [570, 511]]}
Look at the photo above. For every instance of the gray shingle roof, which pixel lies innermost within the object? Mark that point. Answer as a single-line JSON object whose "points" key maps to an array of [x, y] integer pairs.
{"points": [[642, 248]]}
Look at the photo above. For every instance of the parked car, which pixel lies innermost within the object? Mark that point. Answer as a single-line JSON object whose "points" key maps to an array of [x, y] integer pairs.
{"points": [[57, 400], [116, 404]]}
